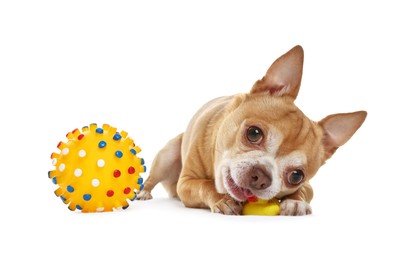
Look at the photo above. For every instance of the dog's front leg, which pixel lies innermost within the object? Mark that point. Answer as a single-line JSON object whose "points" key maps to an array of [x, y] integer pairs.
{"points": [[297, 204], [201, 193]]}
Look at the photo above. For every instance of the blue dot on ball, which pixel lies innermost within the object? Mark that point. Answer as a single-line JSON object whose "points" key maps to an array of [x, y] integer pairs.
{"points": [[119, 153], [102, 144], [87, 197], [69, 188], [116, 137]]}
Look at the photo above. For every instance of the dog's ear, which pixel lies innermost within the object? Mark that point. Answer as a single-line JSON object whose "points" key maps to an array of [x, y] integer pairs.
{"points": [[284, 75], [338, 129]]}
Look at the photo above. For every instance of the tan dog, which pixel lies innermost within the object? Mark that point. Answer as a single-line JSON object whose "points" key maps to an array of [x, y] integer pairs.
{"points": [[257, 144]]}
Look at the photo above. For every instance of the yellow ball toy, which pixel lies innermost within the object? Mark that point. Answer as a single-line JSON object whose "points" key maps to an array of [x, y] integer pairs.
{"points": [[97, 169], [260, 207]]}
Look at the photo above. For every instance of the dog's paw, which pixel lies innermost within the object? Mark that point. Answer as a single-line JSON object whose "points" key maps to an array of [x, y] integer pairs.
{"points": [[227, 206], [290, 207], [144, 195]]}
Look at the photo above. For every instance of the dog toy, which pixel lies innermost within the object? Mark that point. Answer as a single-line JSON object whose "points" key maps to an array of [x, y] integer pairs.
{"points": [[255, 206], [97, 169]]}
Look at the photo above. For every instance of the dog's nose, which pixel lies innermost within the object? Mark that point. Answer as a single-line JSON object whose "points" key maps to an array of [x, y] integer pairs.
{"points": [[259, 180]]}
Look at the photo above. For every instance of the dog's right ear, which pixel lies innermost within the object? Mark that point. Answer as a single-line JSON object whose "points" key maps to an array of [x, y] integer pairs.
{"points": [[284, 75]]}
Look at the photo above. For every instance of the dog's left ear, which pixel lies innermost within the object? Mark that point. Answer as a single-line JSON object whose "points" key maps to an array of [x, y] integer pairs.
{"points": [[284, 75], [338, 129]]}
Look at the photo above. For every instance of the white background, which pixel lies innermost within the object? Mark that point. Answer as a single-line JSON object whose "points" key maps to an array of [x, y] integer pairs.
{"points": [[146, 68]]}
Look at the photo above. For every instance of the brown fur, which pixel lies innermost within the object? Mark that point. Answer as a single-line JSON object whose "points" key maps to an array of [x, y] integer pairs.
{"points": [[189, 166]]}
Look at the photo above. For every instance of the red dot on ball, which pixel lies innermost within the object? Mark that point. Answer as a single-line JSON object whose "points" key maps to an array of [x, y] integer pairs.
{"points": [[80, 136], [127, 190], [117, 173], [131, 170], [110, 193]]}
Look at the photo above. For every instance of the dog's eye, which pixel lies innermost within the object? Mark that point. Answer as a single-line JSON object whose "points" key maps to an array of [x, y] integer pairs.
{"points": [[295, 177], [254, 135]]}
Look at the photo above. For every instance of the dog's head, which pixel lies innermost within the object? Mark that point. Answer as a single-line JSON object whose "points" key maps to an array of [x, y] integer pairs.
{"points": [[266, 146]]}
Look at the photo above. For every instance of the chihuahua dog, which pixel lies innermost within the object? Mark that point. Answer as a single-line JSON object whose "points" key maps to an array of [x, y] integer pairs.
{"points": [[258, 144]]}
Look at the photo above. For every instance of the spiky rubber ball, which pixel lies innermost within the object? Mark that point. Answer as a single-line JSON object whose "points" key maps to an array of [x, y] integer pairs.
{"points": [[97, 169]]}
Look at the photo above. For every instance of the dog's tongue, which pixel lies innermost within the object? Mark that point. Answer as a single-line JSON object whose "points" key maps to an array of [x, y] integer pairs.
{"points": [[249, 195]]}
